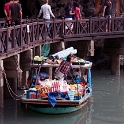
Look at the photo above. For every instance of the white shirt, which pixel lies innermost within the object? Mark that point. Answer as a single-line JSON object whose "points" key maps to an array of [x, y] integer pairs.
{"points": [[46, 10]]}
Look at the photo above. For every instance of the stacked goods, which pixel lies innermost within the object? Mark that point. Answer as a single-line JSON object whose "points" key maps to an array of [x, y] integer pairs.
{"points": [[49, 85], [42, 89], [38, 58], [79, 90]]}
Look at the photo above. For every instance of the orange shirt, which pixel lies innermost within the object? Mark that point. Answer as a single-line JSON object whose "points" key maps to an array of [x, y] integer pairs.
{"points": [[77, 13], [6, 7]]}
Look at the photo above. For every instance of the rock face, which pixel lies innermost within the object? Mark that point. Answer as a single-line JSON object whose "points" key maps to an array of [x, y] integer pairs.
{"points": [[88, 7]]}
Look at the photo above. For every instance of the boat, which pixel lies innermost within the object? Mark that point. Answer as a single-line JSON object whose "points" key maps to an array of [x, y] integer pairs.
{"points": [[61, 107], [58, 99]]}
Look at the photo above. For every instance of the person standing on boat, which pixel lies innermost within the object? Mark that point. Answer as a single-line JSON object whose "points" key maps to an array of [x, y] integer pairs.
{"points": [[63, 69]]}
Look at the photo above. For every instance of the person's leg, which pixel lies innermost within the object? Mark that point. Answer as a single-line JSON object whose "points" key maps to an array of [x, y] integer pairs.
{"points": [[17, 22], [69, 26], [47, 27], [108, 24]]}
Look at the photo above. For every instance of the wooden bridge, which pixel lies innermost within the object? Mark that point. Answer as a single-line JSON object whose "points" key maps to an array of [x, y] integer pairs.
{"points": [[17, 51], [34, 32]]}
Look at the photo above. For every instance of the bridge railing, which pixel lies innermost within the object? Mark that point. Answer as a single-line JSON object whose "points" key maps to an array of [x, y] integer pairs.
{"points": [[35, 31]]}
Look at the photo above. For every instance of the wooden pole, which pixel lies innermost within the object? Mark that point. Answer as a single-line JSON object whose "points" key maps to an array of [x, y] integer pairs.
{"points": [[118, 7], [115, 64]]}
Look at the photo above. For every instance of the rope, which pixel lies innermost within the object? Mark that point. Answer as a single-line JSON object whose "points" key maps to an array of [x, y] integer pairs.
{"points": [[13, 95]]}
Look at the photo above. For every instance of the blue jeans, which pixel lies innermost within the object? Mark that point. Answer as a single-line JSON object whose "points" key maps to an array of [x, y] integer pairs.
{"points": [[48, 24]]}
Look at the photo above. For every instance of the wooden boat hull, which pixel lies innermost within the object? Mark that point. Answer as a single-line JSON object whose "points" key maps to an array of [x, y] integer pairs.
{"points": [[61, 107], [56, 110]]}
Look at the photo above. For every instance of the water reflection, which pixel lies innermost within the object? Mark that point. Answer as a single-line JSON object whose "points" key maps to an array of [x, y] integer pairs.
{"points": [[17, 114], [105, 107]]}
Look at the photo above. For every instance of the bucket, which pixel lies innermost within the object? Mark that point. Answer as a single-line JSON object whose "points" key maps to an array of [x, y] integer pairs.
{"points": [[71, 94]]}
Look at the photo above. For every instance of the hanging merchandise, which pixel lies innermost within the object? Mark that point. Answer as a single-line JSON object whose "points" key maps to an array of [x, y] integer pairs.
{"points": [[45, 49]]}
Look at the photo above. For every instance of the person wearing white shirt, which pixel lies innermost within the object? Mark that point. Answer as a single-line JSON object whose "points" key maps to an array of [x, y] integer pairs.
{"points": [[47, 13]]}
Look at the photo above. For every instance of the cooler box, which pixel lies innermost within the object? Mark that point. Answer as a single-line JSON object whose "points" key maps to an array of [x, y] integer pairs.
{"points": [[31, 94]]}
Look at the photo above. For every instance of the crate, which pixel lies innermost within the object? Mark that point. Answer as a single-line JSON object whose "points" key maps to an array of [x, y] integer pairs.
{"points": [[31, 94], [77, 97]]}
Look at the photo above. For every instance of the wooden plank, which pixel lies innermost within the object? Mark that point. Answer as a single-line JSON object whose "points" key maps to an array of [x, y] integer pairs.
{"points": [[77, 39], [91, 48], [86, 66], [58, 102], [110, 36], [119, 51]]}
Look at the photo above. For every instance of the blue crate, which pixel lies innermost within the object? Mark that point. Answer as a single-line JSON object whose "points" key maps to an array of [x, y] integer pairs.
{"points": [[31, 94], [77, 97]]}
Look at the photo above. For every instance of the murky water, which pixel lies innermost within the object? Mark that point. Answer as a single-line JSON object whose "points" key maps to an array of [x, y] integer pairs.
{"points": [[105, 107]]}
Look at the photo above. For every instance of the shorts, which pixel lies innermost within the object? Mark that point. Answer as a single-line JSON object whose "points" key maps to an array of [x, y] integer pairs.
{"points": [[68, 25], [8, 22], [106, 16], [16, 22]]}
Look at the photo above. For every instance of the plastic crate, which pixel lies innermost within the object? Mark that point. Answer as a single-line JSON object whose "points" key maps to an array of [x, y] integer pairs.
{"points": [[77, 97]]}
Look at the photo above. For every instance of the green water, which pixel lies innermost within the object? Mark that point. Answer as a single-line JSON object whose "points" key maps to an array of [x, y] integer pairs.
{"points": [[105, 107]]}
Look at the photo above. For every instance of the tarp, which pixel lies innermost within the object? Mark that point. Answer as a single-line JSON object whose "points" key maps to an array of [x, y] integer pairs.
{"points": [[52, 99], [65, 53]]}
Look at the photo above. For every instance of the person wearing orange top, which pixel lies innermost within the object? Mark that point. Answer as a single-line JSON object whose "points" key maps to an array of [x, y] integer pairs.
{"points": [[6, 11]]}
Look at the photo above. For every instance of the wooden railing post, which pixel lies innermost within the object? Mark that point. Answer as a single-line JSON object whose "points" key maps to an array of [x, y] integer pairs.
{"points": [[62, 32], [7, 39], [123, 22], [38, 27], [99, 22], [45, 29], [76, 31], [112, 24], [54, 29], [13, 36], [28, 30], [32, 33], [90, 25], [109, 23], [20, 37]]}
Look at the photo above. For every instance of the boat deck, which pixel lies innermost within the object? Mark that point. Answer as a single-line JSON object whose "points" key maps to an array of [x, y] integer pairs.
{"points": [[62, 102]]}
